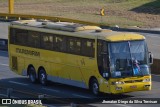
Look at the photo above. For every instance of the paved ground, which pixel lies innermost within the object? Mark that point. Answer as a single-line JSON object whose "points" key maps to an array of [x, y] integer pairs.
{"points": [[4, 30], [22, 88], [153, 43]]}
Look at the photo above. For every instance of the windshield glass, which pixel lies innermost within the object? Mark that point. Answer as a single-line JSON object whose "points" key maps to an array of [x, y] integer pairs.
{"points": [[128, 59]]}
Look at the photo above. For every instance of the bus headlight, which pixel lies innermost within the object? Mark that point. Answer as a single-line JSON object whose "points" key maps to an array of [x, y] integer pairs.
{"points": [[117, 83], [147, 80]]}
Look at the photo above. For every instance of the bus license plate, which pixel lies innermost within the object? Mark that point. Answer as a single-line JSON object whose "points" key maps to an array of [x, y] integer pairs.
{"points": [[133, 86]]}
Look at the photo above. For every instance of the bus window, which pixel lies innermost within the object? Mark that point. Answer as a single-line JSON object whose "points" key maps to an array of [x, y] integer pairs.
{"points": [[47, 41], [21, 37], [74, 45], [34, 39], [59, 43], [88, 48], [12, 35]]}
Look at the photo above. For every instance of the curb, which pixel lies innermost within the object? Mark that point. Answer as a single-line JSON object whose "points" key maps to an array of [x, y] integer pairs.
{"points": [[131, 30]]}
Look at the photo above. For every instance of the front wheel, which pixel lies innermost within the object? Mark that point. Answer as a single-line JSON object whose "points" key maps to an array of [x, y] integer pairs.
{"points": [[42, 77], [94, 87]]}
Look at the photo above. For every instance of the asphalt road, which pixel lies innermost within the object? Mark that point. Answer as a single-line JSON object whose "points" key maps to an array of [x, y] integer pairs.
{"points": [[153, 44], [22, 88], [4, 30]]}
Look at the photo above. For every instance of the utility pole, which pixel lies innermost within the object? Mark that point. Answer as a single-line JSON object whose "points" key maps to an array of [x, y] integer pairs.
{"points": [[11, 6]]}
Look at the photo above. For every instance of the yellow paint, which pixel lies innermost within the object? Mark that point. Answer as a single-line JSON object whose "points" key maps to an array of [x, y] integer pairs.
{"points": [[102, 12], [124, 37], [127, 86], [11, 6], [70, 66]]}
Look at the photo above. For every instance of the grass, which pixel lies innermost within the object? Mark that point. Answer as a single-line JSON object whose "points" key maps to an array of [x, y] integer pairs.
{"points": [[117, 12], [155, 4]]}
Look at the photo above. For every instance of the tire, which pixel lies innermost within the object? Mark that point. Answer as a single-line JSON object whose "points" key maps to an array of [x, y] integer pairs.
{"points": [[32, 75], [42, 77], [94, 87]]}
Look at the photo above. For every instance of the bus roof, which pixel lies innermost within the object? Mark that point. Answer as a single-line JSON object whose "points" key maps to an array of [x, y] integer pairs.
{"points": [[114, 36], [79, 30]]}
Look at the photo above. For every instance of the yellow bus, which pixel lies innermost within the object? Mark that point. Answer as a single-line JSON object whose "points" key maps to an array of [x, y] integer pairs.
{"points": [[80, 55]]}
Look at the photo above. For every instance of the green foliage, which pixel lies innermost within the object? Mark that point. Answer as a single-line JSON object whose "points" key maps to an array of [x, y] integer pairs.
{"points": [[154, 3]]}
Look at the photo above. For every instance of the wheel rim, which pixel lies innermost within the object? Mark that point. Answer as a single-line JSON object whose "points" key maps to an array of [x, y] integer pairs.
{"points": [[43, 77], [95, 88], [32, 75], [32, 78]]}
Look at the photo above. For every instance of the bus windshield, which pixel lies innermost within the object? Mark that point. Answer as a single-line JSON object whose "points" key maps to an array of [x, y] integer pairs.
{"points": [[128, 59]]}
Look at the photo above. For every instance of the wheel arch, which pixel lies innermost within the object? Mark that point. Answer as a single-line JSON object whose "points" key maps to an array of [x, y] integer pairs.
{"points": [[90, 80], [41, 67], [29, 66]]}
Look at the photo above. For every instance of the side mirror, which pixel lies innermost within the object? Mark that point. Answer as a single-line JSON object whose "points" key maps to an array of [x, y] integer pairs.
{"points": [[150, 58]]}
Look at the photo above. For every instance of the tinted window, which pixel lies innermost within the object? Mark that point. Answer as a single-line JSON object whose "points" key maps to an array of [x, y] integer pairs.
{"points": [[47, 41], [88, 47], [103, 58], [21, 37], [59, 43], [34, 39], [12, 36], [74, 45]]}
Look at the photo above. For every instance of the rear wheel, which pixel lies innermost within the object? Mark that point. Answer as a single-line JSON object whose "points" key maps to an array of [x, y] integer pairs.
{"points": [[32, 74], [42, 77], [94, 87]]}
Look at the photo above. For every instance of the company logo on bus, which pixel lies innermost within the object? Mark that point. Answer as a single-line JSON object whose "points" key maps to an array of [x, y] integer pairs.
{"points": [[27, 52]]}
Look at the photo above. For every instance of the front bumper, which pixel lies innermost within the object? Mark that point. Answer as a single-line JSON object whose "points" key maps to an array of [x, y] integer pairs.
{"points": [[130, 87]]}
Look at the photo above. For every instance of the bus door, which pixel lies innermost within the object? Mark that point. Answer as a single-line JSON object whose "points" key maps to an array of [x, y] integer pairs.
{"points": [[103, 58], [103, 64]]}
